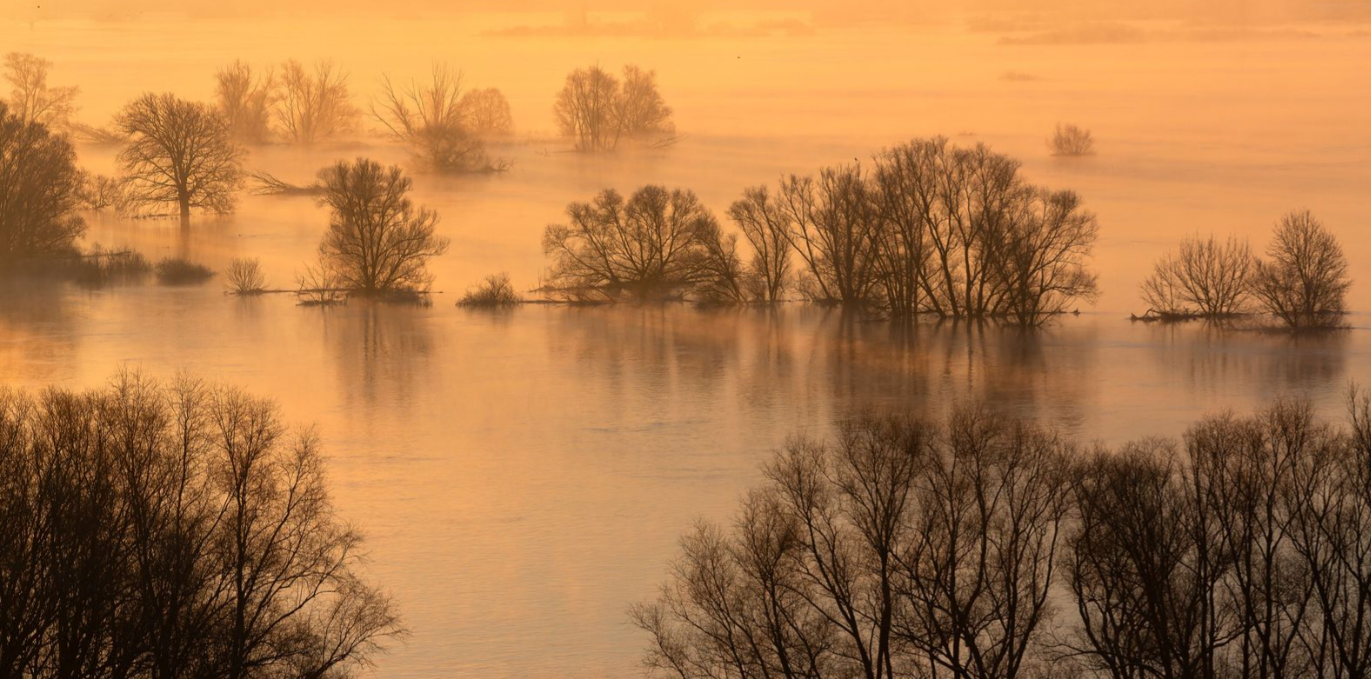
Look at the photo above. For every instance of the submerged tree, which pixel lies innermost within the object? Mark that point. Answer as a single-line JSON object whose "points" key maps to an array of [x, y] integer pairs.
{"points": [[435, 121], [598, 110], [315, 106], [246, 101], [377, 241], [1205, 278], [487, 112], [652, 245], [1305, 280], [40, 189], [173, 530], [179, 152], [31, 100], [767, 229]]}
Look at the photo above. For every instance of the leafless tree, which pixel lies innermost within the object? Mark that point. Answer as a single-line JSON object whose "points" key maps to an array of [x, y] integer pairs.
{"points": [[1071, 140], [598, 110], [1205, 278], [640, 110], [654, 244], [1037, 258], [246, 101], [487, 112], [179, 152], [723, 279], [1305, 280], [177, 530], [315, 105], [244, 276], [378, 241], [30, 97], [903, 548], [767, 229], [585, 109], [433, 121], [40, 189], [832, 231]]}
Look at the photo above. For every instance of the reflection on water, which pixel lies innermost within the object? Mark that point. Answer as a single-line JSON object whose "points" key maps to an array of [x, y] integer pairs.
{"points": [[523, 475]]}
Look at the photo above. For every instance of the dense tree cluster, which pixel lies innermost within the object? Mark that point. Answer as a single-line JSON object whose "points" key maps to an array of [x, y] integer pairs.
{"points": [[932, 228], [985, 547], [177, 530], [1303, 282], [443, 124]]}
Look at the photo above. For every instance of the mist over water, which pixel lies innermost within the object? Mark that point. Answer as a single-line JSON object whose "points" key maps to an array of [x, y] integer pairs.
{"points": [[522, 476]]}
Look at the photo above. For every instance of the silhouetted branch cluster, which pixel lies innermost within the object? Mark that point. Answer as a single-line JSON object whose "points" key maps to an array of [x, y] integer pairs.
{"points": [[932, 229], [985, 547], [599, 110], [173, 531], [1071, 140], [1303, 283], [30, 97]]}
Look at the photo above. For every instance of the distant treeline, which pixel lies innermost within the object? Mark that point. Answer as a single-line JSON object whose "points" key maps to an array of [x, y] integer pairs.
{"points": [[173, 530], [981, 546]]}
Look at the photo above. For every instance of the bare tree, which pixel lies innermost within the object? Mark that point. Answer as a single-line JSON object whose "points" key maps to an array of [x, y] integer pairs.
{"points": [[40, 189], [1305, 281], [598, 110], [487, 112], [244, 276], [378, 241], [179, 152], [903, 548], [586, 107], [767, 229], [315, 105], [246, 102], [653, 244], [1205, 278], [30, 97], [434, 122], [832, 231], [179, 530], [640, 110], [1037, 258], [1071, 140]]}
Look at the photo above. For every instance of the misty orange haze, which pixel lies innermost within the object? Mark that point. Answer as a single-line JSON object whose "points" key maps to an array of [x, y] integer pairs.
{"points": [[523, 478]]}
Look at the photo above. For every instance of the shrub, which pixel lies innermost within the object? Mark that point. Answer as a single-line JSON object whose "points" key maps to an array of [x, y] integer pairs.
{"points": [[181, 271], [1071, 140], [1305, 281], [244, 277], [495, 291]]}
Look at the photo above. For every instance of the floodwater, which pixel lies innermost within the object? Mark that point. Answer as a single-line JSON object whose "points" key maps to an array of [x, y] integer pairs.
{"points": [[523, 475]]}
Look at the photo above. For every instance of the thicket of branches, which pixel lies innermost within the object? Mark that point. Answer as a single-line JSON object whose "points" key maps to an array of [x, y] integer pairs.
{"points": [[1071, 140], [173, 530], [40, 189], [986, 547], [314, 104], [30, 97], [1303, 282], [932, 229], [598, 110]]}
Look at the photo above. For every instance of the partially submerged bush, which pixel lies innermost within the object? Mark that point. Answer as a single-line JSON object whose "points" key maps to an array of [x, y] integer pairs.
{"points": [[1071, 140], [181, 271], [494, 291], [244, 276], [1205, 278], [103, 192], [103, 267], [318, 285]]}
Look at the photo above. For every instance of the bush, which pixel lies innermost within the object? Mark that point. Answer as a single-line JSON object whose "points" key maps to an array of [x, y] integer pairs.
{"points": [[101, 267], [181, 271], [1305, 281], [1071, 140], [319, 286], [244, 277], [495, 291]]}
